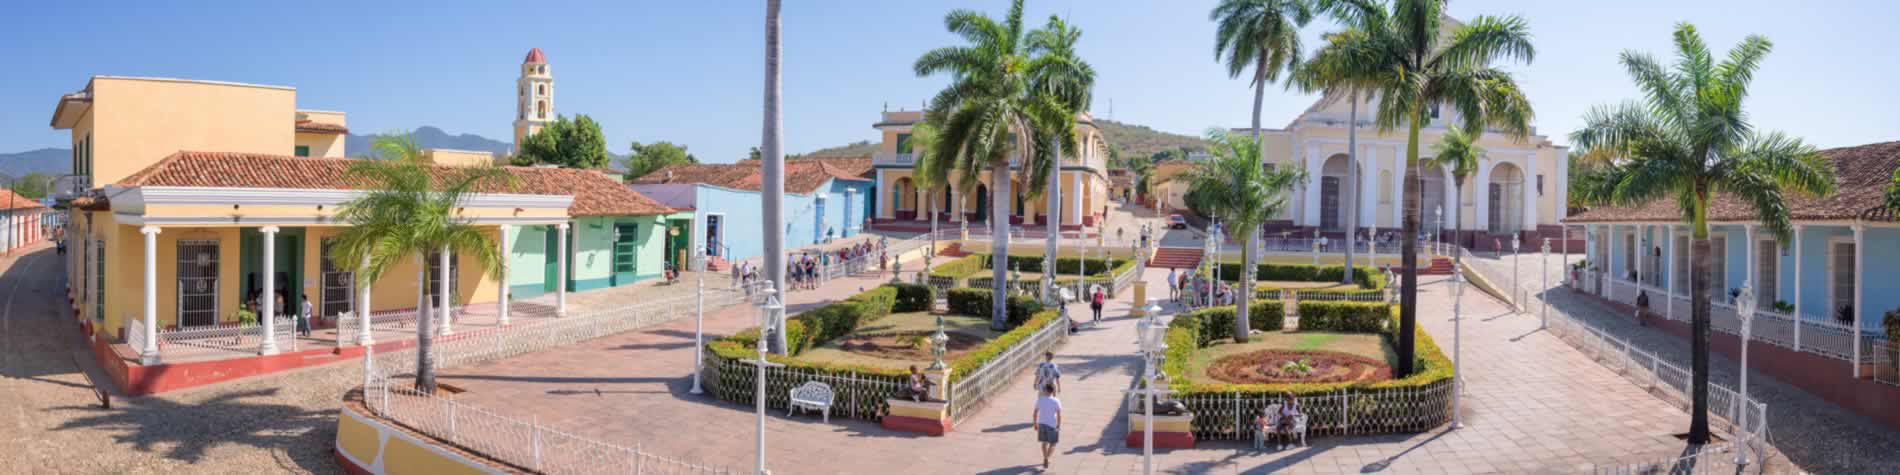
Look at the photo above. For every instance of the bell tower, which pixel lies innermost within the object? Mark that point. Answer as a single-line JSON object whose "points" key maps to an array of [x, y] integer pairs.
{"points": [[534, 96]]}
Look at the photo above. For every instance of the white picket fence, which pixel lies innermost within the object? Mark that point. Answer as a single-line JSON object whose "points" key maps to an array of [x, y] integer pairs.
{"points": [[972, 391], [210, 342]]}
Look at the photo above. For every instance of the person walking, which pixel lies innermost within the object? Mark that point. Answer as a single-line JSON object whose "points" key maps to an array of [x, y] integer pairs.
{"points": [[1048, 374], [1048, 418], [1174, 286], [303, 319], [1096, 299]]}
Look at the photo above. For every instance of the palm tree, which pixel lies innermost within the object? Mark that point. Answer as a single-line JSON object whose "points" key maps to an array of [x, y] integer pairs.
{"points": [[1457, 152], [1243, 195], [410, 211], [1413, 65], [1067, 79], [1332, 80], [1687, 139], [1264, 35], [989, 100]]}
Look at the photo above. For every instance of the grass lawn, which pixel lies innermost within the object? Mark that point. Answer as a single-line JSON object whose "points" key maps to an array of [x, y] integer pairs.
{"points": [[1368, 345], [966, 331]]}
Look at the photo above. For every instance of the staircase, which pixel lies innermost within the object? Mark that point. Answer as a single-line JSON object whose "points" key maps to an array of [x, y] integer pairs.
{"points": [[955, 249], [1440, 266], [1175, 258], [715, 264]]}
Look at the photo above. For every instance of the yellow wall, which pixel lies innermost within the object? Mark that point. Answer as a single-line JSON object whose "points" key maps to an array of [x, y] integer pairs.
{"points": [[458, 158], [321, 145], [137, 122]]}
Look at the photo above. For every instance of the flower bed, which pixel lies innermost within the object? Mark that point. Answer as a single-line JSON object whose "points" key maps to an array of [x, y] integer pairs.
{"points": [[861, 390], [1224, 410], [1286, 366]]}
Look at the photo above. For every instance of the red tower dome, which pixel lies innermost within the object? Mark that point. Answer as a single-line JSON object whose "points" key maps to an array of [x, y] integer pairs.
{"points": [[535, 57]]}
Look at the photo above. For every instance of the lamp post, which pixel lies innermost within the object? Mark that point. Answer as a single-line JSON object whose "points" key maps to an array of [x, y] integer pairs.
{"points": [[1544, 318], [1151, 345], [1745, 305], [767, 324], [699, 315], [1457, 337], [1438, 216], [1514, 246], [1316, 245]]}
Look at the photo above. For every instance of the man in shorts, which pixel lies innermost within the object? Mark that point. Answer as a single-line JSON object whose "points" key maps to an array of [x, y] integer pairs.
{"points": [[1048, 417], [1048, 374]]}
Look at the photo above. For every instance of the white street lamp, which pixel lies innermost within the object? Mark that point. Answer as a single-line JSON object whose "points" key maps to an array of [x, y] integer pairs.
{"points": [[1745, 303], [1151, 345], [1545, 315], [1515, 241], [699, 315], [1438, 214], [767, 326], [1457, 337], [1316, 246]]}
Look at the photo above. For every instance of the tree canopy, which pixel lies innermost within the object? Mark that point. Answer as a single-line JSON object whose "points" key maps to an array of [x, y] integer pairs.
{"points": [[33, 185], [576, 143], [647, 158]]}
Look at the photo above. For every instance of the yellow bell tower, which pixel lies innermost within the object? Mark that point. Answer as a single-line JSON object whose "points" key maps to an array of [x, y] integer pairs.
{"points": [[534, 96]]}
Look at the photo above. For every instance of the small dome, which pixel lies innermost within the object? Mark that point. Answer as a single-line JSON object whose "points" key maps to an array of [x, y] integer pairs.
{"points": [[535, 57]]}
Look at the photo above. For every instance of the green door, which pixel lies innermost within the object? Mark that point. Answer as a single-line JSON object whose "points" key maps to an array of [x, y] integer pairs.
{"points": [[551, 269], [626, 239]]}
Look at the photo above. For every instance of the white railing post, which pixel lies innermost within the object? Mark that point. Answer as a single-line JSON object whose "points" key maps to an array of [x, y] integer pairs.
{"points": [[535, 441]]}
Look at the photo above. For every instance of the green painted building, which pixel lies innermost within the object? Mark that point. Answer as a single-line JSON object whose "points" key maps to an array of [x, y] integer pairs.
{"points": [[615, 237]]}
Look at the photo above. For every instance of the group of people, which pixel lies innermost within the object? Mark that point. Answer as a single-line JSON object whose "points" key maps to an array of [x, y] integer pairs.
{"points": [[300, 319], [1191, 289], [805, 271]]}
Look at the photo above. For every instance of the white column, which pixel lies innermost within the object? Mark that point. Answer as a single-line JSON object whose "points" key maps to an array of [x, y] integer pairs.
{"points": [[1075, 186], [882, 188], [1669, 276], [1368, 192], [442, 301], [501, 290], [1398, 190], [1750, 250], [1797, 287], [1562, 185], [362, 307], [1530, 193], [956, 203], [1480, 201], [849, 225], [1860, 267], [268, 300], [1310, 190], [560, 270], [148, 355]]}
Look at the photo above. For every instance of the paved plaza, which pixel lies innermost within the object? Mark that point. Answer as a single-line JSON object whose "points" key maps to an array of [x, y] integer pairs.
{"points": [[1533, 404]]}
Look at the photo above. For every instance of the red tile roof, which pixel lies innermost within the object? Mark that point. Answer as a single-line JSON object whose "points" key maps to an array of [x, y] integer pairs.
{"points": [[1862, 174], [311, 127], [801, 176], [12, 201], [595, 194], [535, 57]]}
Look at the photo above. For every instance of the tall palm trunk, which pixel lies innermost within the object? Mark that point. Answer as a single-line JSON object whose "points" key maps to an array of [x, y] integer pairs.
{"points": [[1699, 260], [1248, 266], [1408, 255], [772, 191], [1352, 183], [999, 244], [425, 331], [1055, 228]]}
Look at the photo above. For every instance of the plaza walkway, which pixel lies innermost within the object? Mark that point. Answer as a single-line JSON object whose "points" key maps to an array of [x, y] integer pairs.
{"points": [[1533, 405]]}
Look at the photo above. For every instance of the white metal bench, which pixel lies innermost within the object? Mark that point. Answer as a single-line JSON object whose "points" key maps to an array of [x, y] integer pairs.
{"points": [[814, 396], [1273, 420]]}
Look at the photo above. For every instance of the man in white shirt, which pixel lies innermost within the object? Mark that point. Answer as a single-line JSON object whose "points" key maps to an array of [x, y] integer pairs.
{"points": [[1048, 374], [1048, 417]]}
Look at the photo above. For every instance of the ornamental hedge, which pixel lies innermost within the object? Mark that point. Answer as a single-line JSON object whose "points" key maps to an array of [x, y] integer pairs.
{"points": [[1368, 278], [976, 302], [961, 267], [1218, 322], [1346, 317], [912, 298], [973, 264]]}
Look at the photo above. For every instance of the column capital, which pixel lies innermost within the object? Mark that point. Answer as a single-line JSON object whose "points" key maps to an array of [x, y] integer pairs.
{"points": [[562, 226], [268, 230], [149, 230]]}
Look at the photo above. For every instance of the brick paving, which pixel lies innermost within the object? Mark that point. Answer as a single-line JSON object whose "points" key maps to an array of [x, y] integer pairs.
{"points": [[1533, 404]]}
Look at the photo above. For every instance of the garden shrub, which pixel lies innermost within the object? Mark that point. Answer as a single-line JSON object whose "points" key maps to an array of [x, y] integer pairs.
{"points": [[1366, 277], [912, 298], [976, 302], [975, 359], [961, 267], [820, 325], [1349, 317], [1218, 322]]}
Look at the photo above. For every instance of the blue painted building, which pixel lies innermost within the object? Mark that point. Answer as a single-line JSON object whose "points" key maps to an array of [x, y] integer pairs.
{"points": [[1839, 269], [824, 199]]}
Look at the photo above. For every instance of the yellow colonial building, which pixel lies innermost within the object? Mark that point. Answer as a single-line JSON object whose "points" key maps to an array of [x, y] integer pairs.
{"points": [[188, 199], [899, 204]]}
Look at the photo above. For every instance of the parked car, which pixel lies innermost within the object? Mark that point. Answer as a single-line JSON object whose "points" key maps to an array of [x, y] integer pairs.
{"points": [[1175, 221]]}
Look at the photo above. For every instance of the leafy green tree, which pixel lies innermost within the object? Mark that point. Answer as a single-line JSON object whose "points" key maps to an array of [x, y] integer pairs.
{"points": [[408, 212], [1687, 139], [576, 143], [1408, 59], [1458, 152], [1893, 190], [647, 158], [1263, 35], [1244, 195], [992, 96], [33, 185]]}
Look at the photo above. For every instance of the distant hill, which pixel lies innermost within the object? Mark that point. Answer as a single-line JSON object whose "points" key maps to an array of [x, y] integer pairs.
{"points": [[430, 137], [51, 161], [1132, 140], [862, 148]]}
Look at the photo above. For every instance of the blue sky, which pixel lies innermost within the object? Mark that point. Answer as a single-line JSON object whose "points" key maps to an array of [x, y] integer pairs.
{"points": [[690, 72]]}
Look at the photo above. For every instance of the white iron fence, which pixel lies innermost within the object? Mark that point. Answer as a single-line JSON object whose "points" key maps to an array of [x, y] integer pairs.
{"points": [[1230, 416], [971, 391], [210, 342]]}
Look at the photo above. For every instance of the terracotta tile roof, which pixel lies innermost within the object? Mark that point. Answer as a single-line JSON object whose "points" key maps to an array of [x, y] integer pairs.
{"points": [[1168, 170], [12, 201], [312, 127], [801, 176], [594, 194], [1863, 173]]}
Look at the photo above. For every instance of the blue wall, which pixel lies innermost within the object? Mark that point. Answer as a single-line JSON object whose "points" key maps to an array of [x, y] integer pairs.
{"points": [[805, 222], [1881, 291]]}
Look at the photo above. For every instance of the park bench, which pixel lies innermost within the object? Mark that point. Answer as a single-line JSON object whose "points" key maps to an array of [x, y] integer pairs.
{"points": [[814, 396], [1272, 416]]}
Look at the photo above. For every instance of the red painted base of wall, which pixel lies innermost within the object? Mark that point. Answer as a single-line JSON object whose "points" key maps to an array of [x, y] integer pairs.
{"points": [[1829, 378], [916, 425], [140, 380], [1164, 440], [344, 462]]}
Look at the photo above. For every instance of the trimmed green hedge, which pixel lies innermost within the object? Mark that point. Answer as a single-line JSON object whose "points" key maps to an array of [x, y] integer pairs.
{"points": [[1218, 322], [1349, 317], [1273, 291], [961, 267], [1368, 278], [975, 359], [1185, 339], [912, 298], [976, 302]]}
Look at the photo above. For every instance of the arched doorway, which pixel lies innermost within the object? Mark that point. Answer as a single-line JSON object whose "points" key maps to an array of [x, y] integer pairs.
{"points": [[1506, 199], [1432, 178], [904, 199], [982, 204], [1332, 189]]}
